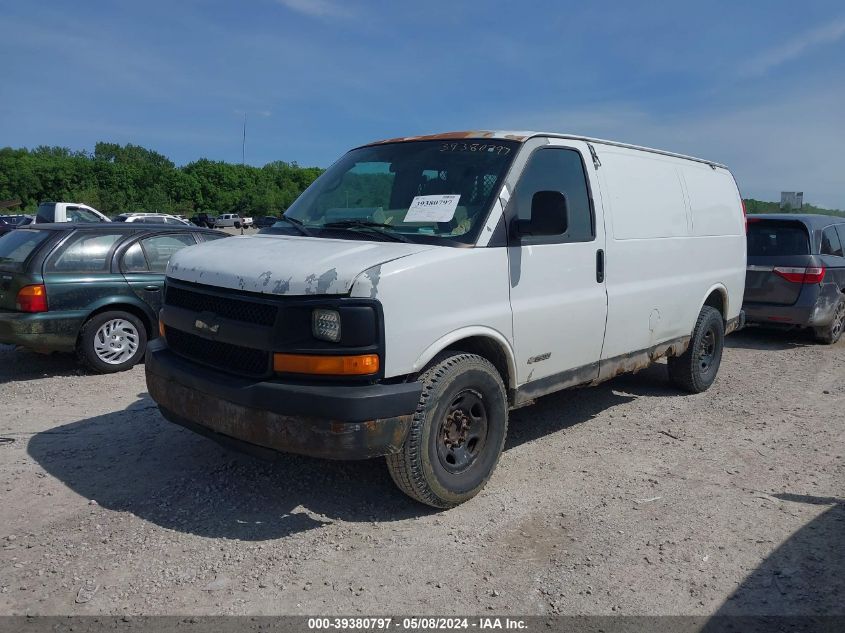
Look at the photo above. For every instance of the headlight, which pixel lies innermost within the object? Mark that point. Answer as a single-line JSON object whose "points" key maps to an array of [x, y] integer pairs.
{"points": [[325, 325]]}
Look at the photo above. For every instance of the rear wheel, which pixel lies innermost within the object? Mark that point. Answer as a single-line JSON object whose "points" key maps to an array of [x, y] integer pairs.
{"points": [[696, 369], [112, 341], [457, 433], [831, 333]]}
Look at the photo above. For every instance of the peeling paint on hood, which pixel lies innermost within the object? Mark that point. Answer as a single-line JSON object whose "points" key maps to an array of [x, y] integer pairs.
{"points": [[284, 265]]}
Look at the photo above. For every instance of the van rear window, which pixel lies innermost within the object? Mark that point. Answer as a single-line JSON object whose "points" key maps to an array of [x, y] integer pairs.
{"points": [[17, 246], [768, 238]]}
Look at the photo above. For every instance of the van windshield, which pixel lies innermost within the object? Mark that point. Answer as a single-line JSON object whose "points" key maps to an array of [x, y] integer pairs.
{"points": [[420, 191], [17, 246], [768, 238]]}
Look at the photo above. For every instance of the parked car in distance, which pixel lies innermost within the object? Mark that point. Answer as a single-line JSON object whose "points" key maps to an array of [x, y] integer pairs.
{"points": [[19, 219], [11, 222], [95, 289], [231, 220], [49, 212], [796, 273], [422, 287], [151, 218], [265, 221], [203, 219]]}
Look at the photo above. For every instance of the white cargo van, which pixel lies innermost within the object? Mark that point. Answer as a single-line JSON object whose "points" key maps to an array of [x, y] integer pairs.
{"points": [[423, 286]]}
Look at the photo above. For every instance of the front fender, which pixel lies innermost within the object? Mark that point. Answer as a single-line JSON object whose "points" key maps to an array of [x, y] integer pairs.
{"points": [[470, 332]]}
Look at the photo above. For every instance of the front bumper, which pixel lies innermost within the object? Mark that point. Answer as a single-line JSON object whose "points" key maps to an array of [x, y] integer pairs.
{"points": [[41, 331], [329, 421]]}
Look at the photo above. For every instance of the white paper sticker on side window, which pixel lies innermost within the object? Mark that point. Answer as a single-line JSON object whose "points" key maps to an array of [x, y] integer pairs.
{"points": [[433, 208]]}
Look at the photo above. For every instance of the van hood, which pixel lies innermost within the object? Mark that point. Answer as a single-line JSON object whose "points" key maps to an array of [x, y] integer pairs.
{"points": [[285, 265]]}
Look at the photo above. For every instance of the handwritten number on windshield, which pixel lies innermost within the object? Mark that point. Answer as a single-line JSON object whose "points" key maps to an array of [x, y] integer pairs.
{"points": [[502, 150]]}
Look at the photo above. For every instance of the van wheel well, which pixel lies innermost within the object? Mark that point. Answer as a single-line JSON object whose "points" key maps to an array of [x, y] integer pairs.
{"points": [[489, 349], [133, 310], [717, 300]]}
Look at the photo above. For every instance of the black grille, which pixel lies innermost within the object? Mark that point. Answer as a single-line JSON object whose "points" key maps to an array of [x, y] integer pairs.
{"points": [[223, 356], [228, 308]]}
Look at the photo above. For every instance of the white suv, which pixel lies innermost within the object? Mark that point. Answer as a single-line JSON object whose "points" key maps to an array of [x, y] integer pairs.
{"points": [[150, 218]]}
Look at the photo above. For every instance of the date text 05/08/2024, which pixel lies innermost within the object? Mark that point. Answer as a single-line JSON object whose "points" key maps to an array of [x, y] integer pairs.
{"points": [[416, 623]]}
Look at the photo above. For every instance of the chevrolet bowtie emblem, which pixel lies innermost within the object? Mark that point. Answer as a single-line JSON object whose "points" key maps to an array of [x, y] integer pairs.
{"points": [[203, 326]]}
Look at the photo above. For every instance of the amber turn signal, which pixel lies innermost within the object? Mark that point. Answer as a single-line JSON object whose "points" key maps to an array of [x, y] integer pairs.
{"points": [[161, 328], [361, 365]]}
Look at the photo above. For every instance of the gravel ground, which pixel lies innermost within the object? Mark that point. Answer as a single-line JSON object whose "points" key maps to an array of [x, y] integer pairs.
{"points": [[627, 498]]}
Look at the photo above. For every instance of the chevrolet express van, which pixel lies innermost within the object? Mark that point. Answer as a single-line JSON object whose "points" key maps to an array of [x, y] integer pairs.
{"points": [[422, 287]]}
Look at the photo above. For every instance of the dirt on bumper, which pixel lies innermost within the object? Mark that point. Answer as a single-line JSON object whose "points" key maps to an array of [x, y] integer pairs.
{"points": [[234, 424]]}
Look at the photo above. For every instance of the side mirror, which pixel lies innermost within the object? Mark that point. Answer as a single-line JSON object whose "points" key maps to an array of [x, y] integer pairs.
{"points": [[549, 216]]}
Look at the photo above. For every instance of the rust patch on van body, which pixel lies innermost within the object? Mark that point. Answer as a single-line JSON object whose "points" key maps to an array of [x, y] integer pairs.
{"points": [[446, 136], [635, 361], [596, 373]]}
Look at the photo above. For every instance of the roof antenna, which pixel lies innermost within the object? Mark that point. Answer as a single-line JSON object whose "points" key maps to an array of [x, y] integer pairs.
{"points": [[243, 144]]}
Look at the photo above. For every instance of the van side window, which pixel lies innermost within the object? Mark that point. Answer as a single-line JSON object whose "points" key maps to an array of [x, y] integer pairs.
{"points": [[830, 242], [558, 169]]}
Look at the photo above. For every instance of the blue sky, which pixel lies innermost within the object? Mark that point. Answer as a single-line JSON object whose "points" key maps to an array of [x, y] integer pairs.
{"points": [[759, 86]]}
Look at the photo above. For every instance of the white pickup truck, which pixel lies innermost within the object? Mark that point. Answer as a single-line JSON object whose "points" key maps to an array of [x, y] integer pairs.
{"points": [[229, 219], [68, 212]]}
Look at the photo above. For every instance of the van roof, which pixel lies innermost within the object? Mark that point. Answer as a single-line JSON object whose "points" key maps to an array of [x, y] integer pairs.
{"points": [[523, 136]]}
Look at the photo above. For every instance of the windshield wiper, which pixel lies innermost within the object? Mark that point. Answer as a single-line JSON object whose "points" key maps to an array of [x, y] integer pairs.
{"points": [[297, 224], [375, 227]]}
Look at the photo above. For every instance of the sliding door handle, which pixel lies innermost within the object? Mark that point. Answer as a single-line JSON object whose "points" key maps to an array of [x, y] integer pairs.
{"points": [[600, 266]]}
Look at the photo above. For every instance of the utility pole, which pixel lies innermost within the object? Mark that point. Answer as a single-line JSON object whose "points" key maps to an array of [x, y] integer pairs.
{"points": [[243, 144]]}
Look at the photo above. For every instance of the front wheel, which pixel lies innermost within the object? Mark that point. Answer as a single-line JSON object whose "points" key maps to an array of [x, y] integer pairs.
{"points": [[831, 333], [457, 433], [112, 341], [696, 369]]}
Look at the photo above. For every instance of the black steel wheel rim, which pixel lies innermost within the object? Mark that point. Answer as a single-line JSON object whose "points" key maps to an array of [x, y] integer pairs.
{"points": [[463, 432], [707, 350]]}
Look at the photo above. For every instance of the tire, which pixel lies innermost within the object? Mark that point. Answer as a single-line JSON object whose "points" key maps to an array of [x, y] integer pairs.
{"points": [[111, 341], [457, 433], [831, 333], [695, 370]]}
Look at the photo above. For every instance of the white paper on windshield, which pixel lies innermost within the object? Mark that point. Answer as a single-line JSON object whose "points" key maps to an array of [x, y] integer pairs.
{"points": [[433, 208]]}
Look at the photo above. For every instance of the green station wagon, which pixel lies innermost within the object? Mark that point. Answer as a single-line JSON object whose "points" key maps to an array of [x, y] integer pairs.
{"points": [[93, 289]]}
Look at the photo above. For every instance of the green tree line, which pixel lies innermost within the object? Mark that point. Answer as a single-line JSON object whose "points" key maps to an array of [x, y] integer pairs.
{"points": [[760, 206], [123, 178]]}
